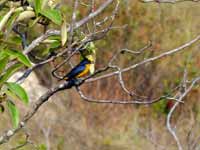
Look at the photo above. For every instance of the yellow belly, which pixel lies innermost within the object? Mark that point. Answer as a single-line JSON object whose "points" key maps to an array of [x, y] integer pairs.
{"points": [[85, 72]]}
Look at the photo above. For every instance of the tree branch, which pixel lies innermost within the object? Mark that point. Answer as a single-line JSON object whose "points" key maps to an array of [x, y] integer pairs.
{"points": [[181, 96], [168, 53], [34, 108], [78, 24]]}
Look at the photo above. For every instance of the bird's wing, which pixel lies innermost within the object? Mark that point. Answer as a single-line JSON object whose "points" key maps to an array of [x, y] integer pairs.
{"points": [[85, 71], [75, 71]]}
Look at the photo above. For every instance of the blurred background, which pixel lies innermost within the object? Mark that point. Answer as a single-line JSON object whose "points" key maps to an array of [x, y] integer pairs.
{"points": [[66, 122]]}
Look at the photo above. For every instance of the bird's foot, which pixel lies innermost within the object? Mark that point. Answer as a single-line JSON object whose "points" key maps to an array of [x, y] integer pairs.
{"points": [[78, 82]]}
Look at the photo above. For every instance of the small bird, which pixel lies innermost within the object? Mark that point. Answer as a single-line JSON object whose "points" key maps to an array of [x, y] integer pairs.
{"points": [[83, 68]]}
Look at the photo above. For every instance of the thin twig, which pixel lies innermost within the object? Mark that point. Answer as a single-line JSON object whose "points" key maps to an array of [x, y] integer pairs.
{"points": [[78, 24], [71, 31], [8, 134], [168, 124], [168, 53]]}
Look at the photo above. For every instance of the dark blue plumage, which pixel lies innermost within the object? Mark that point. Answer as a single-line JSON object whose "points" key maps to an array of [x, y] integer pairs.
{"points": [[77, 69]]}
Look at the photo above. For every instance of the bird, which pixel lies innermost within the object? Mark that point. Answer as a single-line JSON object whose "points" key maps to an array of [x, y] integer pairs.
{"points": [[85, 67]]}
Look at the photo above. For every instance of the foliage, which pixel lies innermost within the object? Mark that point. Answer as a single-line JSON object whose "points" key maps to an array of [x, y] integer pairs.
{"points": [[14, 113], [12, 57], [42, 147]]}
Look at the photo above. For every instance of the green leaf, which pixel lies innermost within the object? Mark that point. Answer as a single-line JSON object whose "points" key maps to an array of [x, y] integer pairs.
{"points": [[20, 56], [11, 95], [11, 22], [3, 63], [9, 72], [2, 54], [44, 3], [5, 19], [42, 147], [38, 5], [25, 15], [54, 45], [14, 113], [52, 14], [18, 91], [64, 33]]}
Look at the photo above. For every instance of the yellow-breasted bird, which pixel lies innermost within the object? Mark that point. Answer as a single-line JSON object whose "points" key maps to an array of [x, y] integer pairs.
{"points": [[85, 67]]}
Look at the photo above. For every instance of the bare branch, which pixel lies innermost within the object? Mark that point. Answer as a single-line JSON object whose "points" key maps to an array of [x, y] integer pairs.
{"points": [[41, 38], [88, 38], [181, 96], [72, 25], [168, 53], [138, 51], [8, 134], [93, 14], [78, 24], [23, 144], [117, 101]]}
